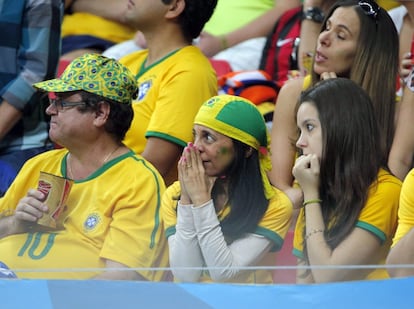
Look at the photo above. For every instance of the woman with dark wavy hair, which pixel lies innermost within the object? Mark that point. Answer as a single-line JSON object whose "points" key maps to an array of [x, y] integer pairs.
{"points": [[349, 213], [223, 214]]}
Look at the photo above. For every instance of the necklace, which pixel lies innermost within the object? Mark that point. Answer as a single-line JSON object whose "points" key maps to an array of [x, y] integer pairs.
{"points": [[108, 156]]}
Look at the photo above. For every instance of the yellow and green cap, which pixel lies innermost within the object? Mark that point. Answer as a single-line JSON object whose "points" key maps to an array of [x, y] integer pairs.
{"points": [[238, 118], [96, 74]]}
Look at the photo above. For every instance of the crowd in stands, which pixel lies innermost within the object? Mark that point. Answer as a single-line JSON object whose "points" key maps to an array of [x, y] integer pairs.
{"points": [[170, 177]]}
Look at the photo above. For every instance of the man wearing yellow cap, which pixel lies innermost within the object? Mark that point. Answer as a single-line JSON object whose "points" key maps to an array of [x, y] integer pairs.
{"points": [[110, 221], [223, 213]]}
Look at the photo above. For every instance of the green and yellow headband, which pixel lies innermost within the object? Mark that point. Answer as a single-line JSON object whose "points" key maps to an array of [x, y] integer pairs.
{"points": [[239, 119]]}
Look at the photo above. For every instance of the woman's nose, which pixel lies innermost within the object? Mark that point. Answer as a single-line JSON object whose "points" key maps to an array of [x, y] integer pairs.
{"points": [[324, 38], [300, 143], [197, 144]]}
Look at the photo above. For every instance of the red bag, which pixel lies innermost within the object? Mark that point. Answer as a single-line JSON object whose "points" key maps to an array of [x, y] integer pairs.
{"points": [[280, 54]]}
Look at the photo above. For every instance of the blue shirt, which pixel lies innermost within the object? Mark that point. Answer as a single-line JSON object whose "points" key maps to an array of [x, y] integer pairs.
{"points": [[29, 53]]}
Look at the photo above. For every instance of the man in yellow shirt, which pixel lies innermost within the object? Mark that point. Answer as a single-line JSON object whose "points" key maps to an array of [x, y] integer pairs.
{"points": [[110, 222], [174, 79]]}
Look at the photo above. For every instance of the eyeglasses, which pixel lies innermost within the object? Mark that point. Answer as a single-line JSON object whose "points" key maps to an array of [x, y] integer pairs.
{"points": [[370, 8], [61, 104]]}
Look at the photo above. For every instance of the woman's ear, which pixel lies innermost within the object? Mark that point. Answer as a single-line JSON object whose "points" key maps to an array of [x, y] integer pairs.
{"points": [[249, 152]]}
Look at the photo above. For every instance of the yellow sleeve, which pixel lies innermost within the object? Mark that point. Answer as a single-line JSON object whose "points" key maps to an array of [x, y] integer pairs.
{"points": [[379, 215], [388, 4], [276, 221], [82, 23], [406, 210], [183, 89], [169, 208]]}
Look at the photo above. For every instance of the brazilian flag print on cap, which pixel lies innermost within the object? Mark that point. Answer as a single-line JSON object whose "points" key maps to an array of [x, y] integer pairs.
{"points": [[96, 74]]}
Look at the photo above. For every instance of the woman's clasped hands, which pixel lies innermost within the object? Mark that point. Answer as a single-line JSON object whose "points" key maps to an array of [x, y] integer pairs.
{"points": [[195, 185]]}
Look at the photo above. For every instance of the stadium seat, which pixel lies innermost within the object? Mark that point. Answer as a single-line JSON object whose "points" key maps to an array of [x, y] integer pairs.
{"points": [[285, 258], [220, 66]]}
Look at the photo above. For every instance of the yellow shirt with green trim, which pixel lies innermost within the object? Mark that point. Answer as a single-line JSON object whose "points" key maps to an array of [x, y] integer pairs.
{"points": [[406, 210], [82, 23], [171, 92], [379, 217], [113, 214], [274, 226]]}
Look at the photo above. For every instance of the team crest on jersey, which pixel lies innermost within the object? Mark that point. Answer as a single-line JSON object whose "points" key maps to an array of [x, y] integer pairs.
{"points": [[91, 221], [143, 89]]}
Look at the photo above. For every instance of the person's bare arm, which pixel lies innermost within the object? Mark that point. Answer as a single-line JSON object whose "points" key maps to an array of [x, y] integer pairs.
{"points": [[402, 151], [309, 32], [319, 254], [359, 248], [283, 138], [109, 9], [262, 25], [118, 271], [9, 116], [259, 27], [68, 3], [164, 156], [7, 226], [402, 253]]}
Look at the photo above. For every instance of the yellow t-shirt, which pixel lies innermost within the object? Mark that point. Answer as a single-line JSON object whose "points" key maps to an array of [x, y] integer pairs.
{"points": [[406, 210], [379, 216], [113, 214], [230, 15], [81, 23], [388, 4], [233, 14], [170, 93], [274, 226]]}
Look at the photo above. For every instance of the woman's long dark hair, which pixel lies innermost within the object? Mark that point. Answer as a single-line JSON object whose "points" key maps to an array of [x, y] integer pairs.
{"points": [[247, 199], [375, 66], [351, 153]]}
